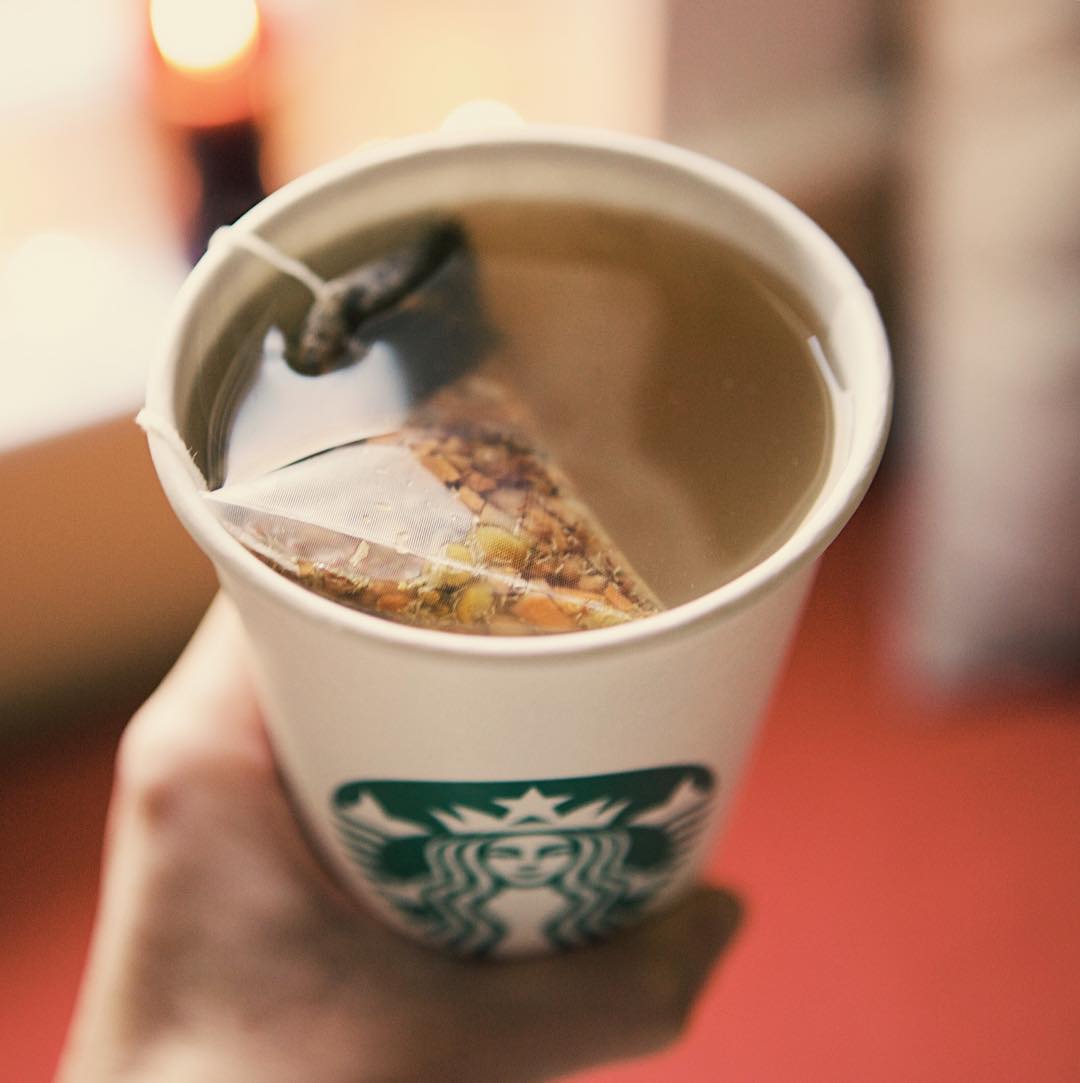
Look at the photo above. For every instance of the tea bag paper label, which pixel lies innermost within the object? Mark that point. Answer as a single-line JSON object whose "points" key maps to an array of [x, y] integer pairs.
{"points": [[361, 400]]}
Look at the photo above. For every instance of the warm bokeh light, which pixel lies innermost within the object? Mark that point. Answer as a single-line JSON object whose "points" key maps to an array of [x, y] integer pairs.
{"points": [[204, 36], [47, 266], [78, 313]]}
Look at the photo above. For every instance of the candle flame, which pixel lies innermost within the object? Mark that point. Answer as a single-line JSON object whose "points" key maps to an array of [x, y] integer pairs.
{"points": [[204, 36]]}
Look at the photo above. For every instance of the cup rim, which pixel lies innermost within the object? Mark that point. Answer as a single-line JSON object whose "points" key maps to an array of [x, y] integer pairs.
{"points": [[827, 517]]}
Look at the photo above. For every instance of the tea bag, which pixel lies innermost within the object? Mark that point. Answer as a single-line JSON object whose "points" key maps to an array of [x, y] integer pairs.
{"points": [[408, 483]]}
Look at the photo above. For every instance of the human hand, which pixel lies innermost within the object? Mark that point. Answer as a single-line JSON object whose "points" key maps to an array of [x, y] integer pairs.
{"points": [[223, 951]]}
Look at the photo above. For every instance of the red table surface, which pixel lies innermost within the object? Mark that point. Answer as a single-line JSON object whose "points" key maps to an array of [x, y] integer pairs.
{"points": [[911, 867]]}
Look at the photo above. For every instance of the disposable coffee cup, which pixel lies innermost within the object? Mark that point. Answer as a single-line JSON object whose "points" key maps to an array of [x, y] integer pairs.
{"points": [[505, 796]]}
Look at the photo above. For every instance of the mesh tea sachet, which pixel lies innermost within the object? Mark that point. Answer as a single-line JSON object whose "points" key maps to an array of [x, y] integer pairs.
{"points": [[425, 496]]}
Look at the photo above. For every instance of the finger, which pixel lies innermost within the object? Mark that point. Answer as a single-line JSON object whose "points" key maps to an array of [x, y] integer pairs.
{"points": [[684, 940], [196, 756], [626, 997], [206, 705], [198, 741], [698, 929], [686, 943], [209, 690], [160, 778], [661, 965]]}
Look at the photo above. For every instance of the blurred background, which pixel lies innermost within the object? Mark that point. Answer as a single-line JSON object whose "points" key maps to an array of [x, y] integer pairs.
{"points": [[908, 833]]}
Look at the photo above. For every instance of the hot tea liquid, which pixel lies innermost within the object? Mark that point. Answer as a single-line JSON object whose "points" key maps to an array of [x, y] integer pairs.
{"points": [[672, 379], [645, 421]]}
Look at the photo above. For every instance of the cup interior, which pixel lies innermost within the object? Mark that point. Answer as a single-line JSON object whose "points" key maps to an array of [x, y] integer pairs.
{"points": [[340, 215]]}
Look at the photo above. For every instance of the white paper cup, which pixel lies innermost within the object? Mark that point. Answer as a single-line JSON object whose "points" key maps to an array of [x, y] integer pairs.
{"points": [[508, 796]]}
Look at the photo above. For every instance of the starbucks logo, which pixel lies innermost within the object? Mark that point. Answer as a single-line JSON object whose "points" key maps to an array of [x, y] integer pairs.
{"points": [[508, 868]]}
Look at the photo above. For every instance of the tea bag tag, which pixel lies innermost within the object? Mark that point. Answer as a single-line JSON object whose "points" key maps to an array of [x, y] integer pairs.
{"points": [[324, 411], [285, 416], [377, 341]]}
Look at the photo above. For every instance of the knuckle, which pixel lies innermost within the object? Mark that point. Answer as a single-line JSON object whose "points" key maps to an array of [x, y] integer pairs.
{"points": [[151, 774], [165, 776]]}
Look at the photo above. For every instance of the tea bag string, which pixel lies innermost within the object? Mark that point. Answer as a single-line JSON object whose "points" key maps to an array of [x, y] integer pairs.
{"points": [[231, 236], [154, 424]]}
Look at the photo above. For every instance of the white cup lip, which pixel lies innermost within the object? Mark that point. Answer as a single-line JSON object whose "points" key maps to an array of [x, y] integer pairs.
{"points": [[803, 547]]}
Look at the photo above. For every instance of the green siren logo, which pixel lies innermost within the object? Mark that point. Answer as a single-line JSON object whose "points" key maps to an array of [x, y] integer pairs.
{"points": [[509, 868]]}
